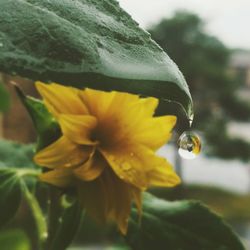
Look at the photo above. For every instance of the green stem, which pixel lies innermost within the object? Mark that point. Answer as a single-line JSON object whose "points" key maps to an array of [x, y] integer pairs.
{"points": [[21, 171], [54, 214], [38, 216], [27, 172]]}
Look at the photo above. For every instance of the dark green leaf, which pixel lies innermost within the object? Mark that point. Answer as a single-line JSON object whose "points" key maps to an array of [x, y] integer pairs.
{"points": [[46, 126], [181, 225], [14, 240], [4, 99], [15, 164], [86, 43], [69, 224], [10, 195]]}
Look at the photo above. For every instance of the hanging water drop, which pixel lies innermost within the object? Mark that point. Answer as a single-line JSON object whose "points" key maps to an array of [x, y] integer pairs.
{"points": [[189, 145], [191, 118]]}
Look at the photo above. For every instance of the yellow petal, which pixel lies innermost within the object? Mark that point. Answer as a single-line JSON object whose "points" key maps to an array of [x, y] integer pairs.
{"points": [[102, 104], [149, 104], [137, 197], [58, 177], [119, 114], [107, 198], [163, 174], [97, 102], [128, 163], [92, 168], [154, 132], [141, 167], [61, 100], [119, 197], [93, 196], [63, 153], [78, 128]]}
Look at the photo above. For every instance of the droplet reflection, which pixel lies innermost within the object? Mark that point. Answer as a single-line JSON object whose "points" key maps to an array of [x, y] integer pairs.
{"points": [[189, 145]]}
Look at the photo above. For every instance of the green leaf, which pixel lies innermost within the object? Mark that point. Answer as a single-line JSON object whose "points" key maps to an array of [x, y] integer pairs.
{"points": [[69, 224], [14, 240], [10, 195], [4, 99], [86, 43], [184, 225], [47, 128], [15, 164], [12, 182]]}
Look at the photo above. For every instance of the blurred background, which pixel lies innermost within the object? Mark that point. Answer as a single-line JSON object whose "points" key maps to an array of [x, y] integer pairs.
{"points": [[211, 45]]}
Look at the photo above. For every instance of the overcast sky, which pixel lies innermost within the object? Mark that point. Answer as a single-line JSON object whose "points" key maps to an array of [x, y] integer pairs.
{"points": [[227, 19]]}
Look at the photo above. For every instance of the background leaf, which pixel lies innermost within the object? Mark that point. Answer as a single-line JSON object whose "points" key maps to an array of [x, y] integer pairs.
{"points": [[184, 225], [14, 240], [86, 43]]}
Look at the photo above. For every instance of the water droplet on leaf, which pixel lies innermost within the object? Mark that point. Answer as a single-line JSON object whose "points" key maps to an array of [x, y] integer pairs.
{"points": [[67, 200], [45, 235], [189, 145], [190, 120]]}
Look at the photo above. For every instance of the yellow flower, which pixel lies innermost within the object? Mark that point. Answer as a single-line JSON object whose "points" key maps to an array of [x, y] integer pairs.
{"points": [[107, 149]]}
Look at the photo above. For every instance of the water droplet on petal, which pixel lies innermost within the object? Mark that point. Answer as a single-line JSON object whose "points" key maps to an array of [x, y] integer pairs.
{"points": [[126, 166], [189, 145]]}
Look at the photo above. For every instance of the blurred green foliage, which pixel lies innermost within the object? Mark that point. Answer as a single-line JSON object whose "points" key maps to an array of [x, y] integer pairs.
{"points": [[14, 154], [204, 61], [14, 240], [4, 99]]}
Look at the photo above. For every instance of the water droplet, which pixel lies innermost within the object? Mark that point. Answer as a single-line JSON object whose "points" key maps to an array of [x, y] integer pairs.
{"points": [[189, 145], [45, 235], [112, 158], [125, 166], [67, 200], [191, 118]]}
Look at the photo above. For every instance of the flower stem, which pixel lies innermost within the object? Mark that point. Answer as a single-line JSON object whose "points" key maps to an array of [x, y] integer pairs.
{"points": [[54, 214], [38, 216]]}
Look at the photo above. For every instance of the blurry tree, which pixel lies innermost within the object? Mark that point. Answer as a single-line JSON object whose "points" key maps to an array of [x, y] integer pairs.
{"points": [[204, 60], [4, 98]]}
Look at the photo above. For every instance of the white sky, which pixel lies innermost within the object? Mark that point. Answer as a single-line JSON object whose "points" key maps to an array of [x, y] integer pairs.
{"points": [[227, 19]]}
